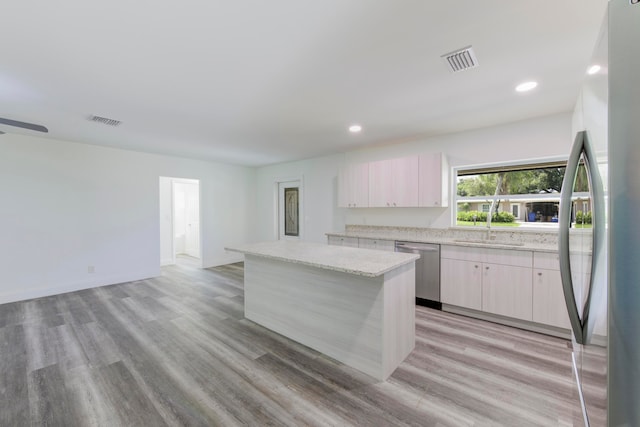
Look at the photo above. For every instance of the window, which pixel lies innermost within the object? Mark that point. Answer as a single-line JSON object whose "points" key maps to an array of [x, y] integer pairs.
{"points": [[515, 195]]}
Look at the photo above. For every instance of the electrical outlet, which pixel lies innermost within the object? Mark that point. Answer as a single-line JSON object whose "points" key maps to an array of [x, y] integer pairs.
{"points": [[91, 269]]}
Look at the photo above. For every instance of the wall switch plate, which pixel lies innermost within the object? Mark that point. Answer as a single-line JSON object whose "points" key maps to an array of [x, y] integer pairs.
{"points": [[91, 269]]}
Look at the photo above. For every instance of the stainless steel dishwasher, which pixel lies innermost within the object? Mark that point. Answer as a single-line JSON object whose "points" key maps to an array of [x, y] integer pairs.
{"points": [[427, 272]]}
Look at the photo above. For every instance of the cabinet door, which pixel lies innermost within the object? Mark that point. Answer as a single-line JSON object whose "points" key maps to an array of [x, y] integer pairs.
{"points": [[461, 283], [353, 186], [433, 182], [380, 184], [381, 245], [507, 290], [405, 181], [549, 307], [394, 183]]}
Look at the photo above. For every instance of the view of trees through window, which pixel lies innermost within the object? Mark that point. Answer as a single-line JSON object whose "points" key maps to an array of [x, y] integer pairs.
{"points": [[516, 195]]}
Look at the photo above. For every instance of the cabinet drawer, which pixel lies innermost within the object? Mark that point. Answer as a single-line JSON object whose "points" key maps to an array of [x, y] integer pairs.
{"points": [[381, 245], [494, 256], [343, 241], [546, 260]]}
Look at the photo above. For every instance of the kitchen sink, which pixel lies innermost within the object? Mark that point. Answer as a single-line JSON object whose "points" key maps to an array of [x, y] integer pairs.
{"points": [[489, 242]]}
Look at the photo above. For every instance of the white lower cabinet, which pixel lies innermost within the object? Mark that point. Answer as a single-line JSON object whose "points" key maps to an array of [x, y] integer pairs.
{"points": [[355, 242], [497, 281], [549, 307], [381, 245], [522, 285], [507, 290], [343, 241], [461, 283]]}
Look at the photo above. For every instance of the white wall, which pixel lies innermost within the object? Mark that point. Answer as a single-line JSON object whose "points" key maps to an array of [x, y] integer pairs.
{"points": [[548, 136], [320, 212], [67, 206]]}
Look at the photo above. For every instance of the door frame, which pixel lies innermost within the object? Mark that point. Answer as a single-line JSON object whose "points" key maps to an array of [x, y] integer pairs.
{"points": [[172, 181], [299, 180]]}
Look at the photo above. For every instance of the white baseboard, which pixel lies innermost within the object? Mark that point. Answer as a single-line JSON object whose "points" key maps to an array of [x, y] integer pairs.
{"points": [[30, 293], [509, 321]]}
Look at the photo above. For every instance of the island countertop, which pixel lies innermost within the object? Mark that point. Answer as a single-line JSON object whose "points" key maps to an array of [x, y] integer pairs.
{"points": [[362, 262]]}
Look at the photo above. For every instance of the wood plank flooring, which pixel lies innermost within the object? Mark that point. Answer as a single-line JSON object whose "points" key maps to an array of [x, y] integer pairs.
{"points": [[176, 350]]}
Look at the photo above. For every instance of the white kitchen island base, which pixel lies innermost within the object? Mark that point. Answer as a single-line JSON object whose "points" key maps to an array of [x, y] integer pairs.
{"points": [[367, 323]]}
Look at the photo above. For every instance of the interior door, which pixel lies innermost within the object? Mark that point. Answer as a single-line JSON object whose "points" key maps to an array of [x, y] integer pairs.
{"points": [[289, 210]]}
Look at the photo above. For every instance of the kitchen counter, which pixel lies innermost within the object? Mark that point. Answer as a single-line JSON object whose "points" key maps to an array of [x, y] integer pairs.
{"points": [[502, 239], [354, 305], [362, 262]]}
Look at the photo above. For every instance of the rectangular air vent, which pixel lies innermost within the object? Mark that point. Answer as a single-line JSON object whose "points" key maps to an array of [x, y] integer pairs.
{"points": [[104, 120], [461, 59]]}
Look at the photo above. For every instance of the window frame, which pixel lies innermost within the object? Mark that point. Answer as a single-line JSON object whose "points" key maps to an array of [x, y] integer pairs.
{"points": [[521, 164]]}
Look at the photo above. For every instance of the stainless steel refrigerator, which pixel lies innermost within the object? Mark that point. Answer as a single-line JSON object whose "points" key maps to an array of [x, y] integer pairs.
{"points": [[599, 243]]}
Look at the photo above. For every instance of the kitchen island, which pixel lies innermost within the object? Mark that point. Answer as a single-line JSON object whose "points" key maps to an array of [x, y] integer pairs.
{"points": [[354, 305]]}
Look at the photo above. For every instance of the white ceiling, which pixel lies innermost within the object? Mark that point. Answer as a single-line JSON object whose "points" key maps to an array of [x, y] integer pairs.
{"points": [[256, 82]]}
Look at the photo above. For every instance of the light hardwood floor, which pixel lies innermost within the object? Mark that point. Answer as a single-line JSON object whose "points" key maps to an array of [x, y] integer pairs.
{"points": [[176, 350]]}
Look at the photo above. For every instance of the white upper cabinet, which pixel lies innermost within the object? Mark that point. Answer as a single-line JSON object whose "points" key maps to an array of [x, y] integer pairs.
{"points": [[353, 186], [413, 181], [433, 185], [394, 183]]}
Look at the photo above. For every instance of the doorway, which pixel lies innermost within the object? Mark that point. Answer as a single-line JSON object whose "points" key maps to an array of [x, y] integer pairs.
{"points": [[180, 221], [289, 210]]}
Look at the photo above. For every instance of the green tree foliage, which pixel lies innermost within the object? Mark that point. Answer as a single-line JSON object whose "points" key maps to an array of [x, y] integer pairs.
{"points": [[583, 218], [533, 181], [581, 184]]}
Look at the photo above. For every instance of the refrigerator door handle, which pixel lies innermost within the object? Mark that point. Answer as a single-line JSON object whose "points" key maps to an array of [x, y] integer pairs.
{"points": [[563, 237], [582, 327]]}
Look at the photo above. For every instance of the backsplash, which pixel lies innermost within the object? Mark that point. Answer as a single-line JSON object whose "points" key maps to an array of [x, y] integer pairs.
{"points": [[536, 237]]}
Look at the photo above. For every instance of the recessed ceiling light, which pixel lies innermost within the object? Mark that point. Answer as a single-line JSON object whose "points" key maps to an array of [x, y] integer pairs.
{"points": [[526, 86], [355, 128], [593, 69]]}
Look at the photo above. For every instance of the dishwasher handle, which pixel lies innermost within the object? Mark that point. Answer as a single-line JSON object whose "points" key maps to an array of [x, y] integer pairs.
{"points": [[416, 248]]}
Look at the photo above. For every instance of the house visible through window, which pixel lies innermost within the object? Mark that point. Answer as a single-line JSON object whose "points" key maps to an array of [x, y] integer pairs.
{"points": [[515, 195]]}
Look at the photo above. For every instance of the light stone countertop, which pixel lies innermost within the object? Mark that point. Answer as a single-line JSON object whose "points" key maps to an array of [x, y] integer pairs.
{"points": [[447, 237], [361, 262]]}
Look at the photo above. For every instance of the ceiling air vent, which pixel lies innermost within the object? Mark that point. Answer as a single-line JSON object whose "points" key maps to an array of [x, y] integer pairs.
{"points": [[461, 59], [104, 120]]}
